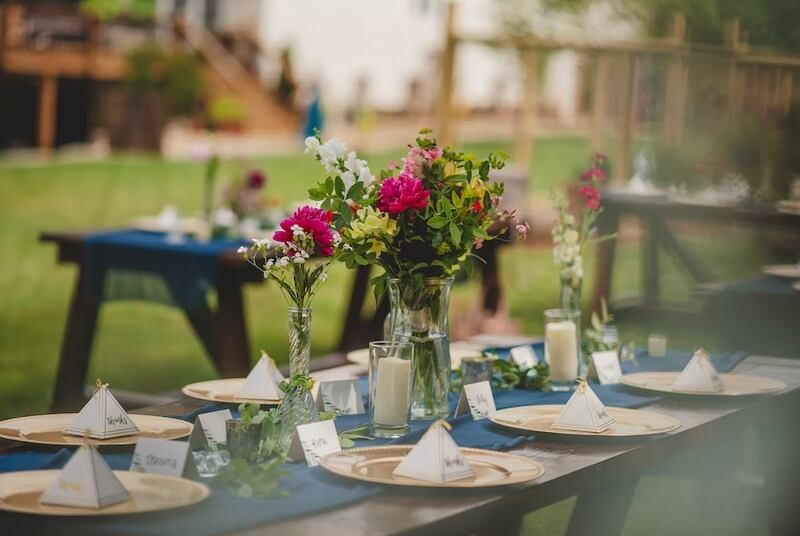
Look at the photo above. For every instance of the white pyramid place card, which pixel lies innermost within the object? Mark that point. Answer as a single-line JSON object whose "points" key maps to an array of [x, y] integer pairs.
{"points": [[86, 482], [699, 375], [584, 411], [209, 430], [262, 382], [435, 458], [312, 441], [477, 399], [102, 417]]}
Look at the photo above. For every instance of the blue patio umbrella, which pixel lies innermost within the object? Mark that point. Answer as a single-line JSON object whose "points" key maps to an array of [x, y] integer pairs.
{"points": [[314, 116]]}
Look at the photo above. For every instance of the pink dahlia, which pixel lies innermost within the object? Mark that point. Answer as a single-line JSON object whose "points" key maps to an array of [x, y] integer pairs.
{"points": [[418, 157], [315, 223], [402, 193]]}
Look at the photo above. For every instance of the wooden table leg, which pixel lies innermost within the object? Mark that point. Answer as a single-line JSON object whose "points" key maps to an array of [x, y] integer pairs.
{"points": [[603, 510], [233, 344], [76, 347], [607, 224]]}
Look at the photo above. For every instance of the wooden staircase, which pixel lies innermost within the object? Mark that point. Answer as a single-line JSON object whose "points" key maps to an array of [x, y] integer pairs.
{"points": [[226, 77]]}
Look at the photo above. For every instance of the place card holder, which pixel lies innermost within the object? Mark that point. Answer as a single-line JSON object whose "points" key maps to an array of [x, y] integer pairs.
{"points": [[476, 399], [312, 441], [342, 397], [163, 457]]}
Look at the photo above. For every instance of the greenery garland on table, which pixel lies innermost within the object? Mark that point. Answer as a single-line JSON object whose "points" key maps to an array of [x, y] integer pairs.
{"points": [[507, 375]]}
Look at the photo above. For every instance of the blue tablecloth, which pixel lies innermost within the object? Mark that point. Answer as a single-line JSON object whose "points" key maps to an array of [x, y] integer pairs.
{"points": [[314, 490], [141, 265]]}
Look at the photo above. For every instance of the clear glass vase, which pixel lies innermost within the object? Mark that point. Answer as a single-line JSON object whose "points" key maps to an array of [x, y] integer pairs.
{"points": [[570, 294], [419, 315], [299, 340], [297, 407]]}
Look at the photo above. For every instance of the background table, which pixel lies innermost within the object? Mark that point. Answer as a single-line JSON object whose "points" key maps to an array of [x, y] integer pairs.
{"points": [[653, 212]]}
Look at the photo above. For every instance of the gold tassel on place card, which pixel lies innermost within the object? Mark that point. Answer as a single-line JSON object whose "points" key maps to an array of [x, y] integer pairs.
{"points": [[443, 423], [582, 385]]}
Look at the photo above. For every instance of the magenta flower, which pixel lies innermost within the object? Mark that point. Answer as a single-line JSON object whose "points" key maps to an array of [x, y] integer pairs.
{"points": [[256, 179], [591, 195], [402, 193], [315, 223]]}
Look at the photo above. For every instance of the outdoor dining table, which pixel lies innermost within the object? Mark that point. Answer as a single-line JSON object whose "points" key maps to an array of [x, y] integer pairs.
{"points": [[654, 212], [603, 475]]}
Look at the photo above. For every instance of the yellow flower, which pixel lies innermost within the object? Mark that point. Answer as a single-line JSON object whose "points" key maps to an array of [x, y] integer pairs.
{"points": [[370, 222], [376, 247]]}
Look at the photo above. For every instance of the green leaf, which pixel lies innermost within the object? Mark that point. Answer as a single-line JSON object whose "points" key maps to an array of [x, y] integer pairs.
{"points": [[455, 233], [355, 190], [339, 186], [437, 222]]}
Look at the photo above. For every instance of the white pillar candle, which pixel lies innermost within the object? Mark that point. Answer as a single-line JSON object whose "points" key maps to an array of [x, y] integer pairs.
{"points": [[391, 391], [657, 345], [561, 342]]}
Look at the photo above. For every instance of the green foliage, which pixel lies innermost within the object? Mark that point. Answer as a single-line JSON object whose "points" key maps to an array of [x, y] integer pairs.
{"points": [[226, 109], [299, 383], [507, 374], [359, 432], [253, 480], [140, 10], [593, 340], [175, 74]]}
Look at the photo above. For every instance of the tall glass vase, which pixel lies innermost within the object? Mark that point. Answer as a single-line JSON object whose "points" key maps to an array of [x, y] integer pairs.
{"points": [[419, 315], [299, 339], [570, 294]]}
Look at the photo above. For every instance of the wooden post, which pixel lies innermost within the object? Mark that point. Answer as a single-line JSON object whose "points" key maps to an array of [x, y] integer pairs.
{"points": [[622, 161], [599, 102], [444, 109], [677, 78], [733, 34], [523, 140], [48, 96]]}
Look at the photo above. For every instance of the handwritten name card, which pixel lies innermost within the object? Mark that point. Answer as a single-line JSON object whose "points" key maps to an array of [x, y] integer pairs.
{"points": [[313, 441], [163, 457], [607, 366], [477, 398], [209, 429]]}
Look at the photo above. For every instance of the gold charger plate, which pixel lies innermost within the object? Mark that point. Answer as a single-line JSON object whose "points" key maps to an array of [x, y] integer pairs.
{"points": [[457, 353], [791, 271], [223, 391], [375, 464], [629, 422], [48, 430], [733, 384], [20, 492]]}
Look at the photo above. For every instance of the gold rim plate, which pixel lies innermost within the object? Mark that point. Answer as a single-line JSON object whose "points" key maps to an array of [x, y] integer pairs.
{"points": [[223, 391], [629, 422], [457, 353], [20, 492], [48, 430], [791, 271], [733, 384], [375, 464]]}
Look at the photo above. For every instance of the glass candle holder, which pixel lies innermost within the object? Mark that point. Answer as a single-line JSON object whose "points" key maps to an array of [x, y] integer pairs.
{"points": [[391, 366], [657, 345], [476, 369], [562, 347], [244, 440]]}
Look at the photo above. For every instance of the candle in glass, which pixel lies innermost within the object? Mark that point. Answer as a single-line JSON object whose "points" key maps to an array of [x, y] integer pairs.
{"points": [[562, 347], [390, 367]]}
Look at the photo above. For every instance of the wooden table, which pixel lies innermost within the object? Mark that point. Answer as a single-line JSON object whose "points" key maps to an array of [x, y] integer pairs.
{"points": [[603, 475], [653, 212], [222, 332]]}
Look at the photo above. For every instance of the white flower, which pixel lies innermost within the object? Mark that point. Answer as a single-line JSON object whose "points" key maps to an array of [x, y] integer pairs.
{"points": [[298, 259], [366, 176], [323, 277], [349, 179], [242, 250], [312, 145], [261, 242]]}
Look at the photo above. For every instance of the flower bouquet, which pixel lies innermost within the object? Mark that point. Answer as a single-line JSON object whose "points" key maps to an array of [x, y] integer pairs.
{"points": [[570, 236], [297, 259], [420, 222]]}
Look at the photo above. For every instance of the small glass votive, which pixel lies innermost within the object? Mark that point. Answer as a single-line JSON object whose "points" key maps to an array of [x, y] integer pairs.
{"points": [[210, 463], [391, 366], [244, 440], [657, 345], [562, 347], [476, 369], [610, 336]]}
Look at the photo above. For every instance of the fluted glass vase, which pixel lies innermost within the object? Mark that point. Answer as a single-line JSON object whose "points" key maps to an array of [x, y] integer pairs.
{"points": [[419, 315], [299, 340], [297, 407], [570, 294]]}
